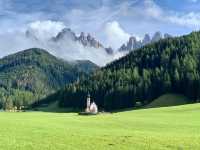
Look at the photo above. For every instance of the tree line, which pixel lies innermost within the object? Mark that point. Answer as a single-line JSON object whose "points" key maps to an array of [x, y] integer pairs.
{"points": [[30, 75], [169, 65]]}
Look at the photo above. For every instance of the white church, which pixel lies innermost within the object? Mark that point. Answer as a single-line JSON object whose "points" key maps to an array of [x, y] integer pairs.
{"points": [[91, 107]]}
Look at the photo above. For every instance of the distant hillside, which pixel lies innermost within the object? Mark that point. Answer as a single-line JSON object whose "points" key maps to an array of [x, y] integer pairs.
{"points": [[34, 73], [168, 66], [85, 66], [168, 100]]}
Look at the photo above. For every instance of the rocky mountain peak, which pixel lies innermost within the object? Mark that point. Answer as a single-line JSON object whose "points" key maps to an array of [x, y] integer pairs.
{"points": [[82, 36], [157, 36], [133, 43], [89, 37], [84, 39], [88, 40], [109, 50], [166, 35], [147, 39], [132, 40], [66, 33]]}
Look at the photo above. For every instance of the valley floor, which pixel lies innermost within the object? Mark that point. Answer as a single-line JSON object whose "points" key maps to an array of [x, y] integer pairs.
{"points": [[160, 128]]}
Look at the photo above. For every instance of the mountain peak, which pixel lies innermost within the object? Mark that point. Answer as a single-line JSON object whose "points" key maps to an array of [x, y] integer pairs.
{"points": [[66, 32], [166, 35], [157, 36], [84, 39], [147, 39], [133, 43]]}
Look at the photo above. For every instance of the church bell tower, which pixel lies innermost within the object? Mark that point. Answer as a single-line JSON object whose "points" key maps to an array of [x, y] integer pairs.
{"points": [[88, 103]]}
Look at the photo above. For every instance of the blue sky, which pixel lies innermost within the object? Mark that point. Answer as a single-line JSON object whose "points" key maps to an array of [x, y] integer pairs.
{"points": [[134, 16], [110, 21]]}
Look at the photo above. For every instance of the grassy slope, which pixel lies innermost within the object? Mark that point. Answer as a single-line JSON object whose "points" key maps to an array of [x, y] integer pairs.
{"points": [[53, 107], [37, 70], [168, 100], [161, 128]]}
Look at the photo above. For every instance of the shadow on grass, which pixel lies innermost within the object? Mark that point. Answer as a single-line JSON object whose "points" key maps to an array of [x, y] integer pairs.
{"points": [[57, 110], [54, 108]]}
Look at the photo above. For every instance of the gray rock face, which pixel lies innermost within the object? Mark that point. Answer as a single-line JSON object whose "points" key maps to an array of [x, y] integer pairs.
{"points": [[146, 40], [65, 33], [109, 50], [133, 43], [157, 36], [166, 35], [89, 41], [85, 40], [123, 48]]}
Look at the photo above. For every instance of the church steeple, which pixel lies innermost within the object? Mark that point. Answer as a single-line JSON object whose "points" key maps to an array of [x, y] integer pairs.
{"points": [[88, 103]]}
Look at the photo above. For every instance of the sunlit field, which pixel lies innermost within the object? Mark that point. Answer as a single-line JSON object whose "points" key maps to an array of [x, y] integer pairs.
{"points": [[159, 128]]}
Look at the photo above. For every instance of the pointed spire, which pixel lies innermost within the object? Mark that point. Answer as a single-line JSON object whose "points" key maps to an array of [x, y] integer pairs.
{"points": [[88, 95]]}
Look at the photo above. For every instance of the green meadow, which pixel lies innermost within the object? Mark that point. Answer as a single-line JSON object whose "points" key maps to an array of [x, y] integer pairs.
{"points": [[156, 128]]}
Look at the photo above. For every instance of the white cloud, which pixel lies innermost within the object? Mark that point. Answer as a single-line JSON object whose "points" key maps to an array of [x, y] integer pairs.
{"points": [[189, 19], [70, 50], [11, 42], [115, 35], [66, 48], [89, 20], [194, 1], [152, 9], [44, 30]]}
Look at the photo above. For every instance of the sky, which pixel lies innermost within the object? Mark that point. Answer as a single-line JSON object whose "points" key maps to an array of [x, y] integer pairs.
{"points": [[112, 22]]}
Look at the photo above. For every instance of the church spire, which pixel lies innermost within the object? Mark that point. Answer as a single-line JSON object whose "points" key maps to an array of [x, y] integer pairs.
{"points": [[88, 103]]}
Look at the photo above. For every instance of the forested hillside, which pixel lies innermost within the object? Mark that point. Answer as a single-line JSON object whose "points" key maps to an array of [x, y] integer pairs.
{"points": [[32, 74], [167, 66]]}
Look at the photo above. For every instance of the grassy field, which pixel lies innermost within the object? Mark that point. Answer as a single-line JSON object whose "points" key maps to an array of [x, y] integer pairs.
{"points": [[168, 100], [160, 128]]}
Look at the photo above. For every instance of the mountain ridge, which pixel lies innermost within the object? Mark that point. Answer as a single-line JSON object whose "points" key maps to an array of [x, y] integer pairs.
{"points": [[83, 39], [38, 73], [87, 40], [133, 43], [168, 66]]}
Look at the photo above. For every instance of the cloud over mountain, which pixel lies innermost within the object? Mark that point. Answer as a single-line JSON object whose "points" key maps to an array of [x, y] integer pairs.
{"points": [[115, 34], [45, 29], [112, 22], [41, 34]]}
